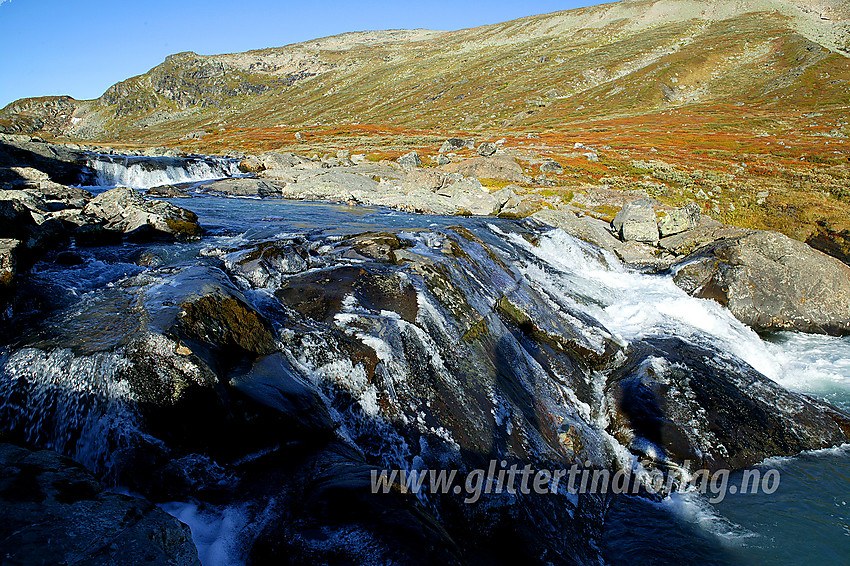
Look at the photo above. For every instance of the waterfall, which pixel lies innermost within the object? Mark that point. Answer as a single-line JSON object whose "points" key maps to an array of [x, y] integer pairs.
{"points": [[147, 172]]}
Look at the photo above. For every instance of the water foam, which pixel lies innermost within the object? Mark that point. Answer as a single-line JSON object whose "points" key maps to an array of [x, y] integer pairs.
{"points": [[148, 172]]}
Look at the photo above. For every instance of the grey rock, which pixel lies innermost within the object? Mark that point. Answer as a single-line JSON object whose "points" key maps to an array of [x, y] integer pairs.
{"points": [[678, 220], [551, 166], [409, 160], [636, 221], [9, 249], [443, 160], [274, 160], [487, 149], [244, 187], [771, 282], [455, 144], [499, 167]]}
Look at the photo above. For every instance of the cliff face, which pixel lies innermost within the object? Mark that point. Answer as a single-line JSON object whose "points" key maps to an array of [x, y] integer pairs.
{"points": [[625, 58]]}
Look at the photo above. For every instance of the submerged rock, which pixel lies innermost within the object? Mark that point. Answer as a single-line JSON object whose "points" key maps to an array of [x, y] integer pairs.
{"points": [[771, 282]]}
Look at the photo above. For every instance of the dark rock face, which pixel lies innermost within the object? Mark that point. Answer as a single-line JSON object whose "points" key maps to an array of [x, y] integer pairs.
{"points": [[56, 512], [772, 282], [674, 401]]}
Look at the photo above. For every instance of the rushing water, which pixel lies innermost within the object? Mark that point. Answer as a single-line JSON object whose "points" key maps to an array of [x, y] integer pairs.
{"points": [[806, 521], [146, 172]]}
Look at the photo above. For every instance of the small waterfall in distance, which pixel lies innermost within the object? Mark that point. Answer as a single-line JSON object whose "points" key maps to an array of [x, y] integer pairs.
{"points": [[147, 172]]}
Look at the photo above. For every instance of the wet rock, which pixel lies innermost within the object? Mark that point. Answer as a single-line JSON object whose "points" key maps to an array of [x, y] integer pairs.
{"points": [[410, 160], [265, 264], [636, 221], [679, 401], [487, 149], [56, 512], [228, 323], [167, 191], [772, 282], [678, 220], [320, 295], [381, 246], [125, 211]]}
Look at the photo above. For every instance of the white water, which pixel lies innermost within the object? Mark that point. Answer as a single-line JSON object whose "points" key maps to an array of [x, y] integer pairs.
{"points": [[635, 306], [148, 172]]}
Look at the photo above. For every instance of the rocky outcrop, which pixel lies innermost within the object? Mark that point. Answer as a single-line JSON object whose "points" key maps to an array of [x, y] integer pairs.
{"points": [[771, 282], [56, 512], [9, 249], [125, 211], [636, 221]]}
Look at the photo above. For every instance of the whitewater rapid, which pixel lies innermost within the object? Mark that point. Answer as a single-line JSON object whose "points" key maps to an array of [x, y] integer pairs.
{"points": [[147, 172]]}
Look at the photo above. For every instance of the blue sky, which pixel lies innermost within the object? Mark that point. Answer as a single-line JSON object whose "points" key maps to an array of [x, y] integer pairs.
{"points": [[82, 47]]}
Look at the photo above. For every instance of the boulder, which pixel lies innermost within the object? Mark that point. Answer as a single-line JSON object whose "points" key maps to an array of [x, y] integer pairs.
{"points": [[443, 160], [678, 220], [551, 166], [244, 188], [251, 164], [487, 149], [167, 191], [636, 221], [273, 160], [456, 144], [409, 160], [771, 282], [56, 512], [673, 400], [124, 210]]}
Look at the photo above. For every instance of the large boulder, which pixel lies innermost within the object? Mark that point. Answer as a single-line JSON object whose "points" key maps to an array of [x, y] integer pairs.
{"points": [[636, 221], [487, 149], [499, 167], [771, 282], [678, 220], [126, 211], [409, 160], [56, 512]]}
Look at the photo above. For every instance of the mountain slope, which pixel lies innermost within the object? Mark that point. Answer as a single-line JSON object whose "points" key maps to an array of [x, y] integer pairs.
{"points": [[622, 58]]}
